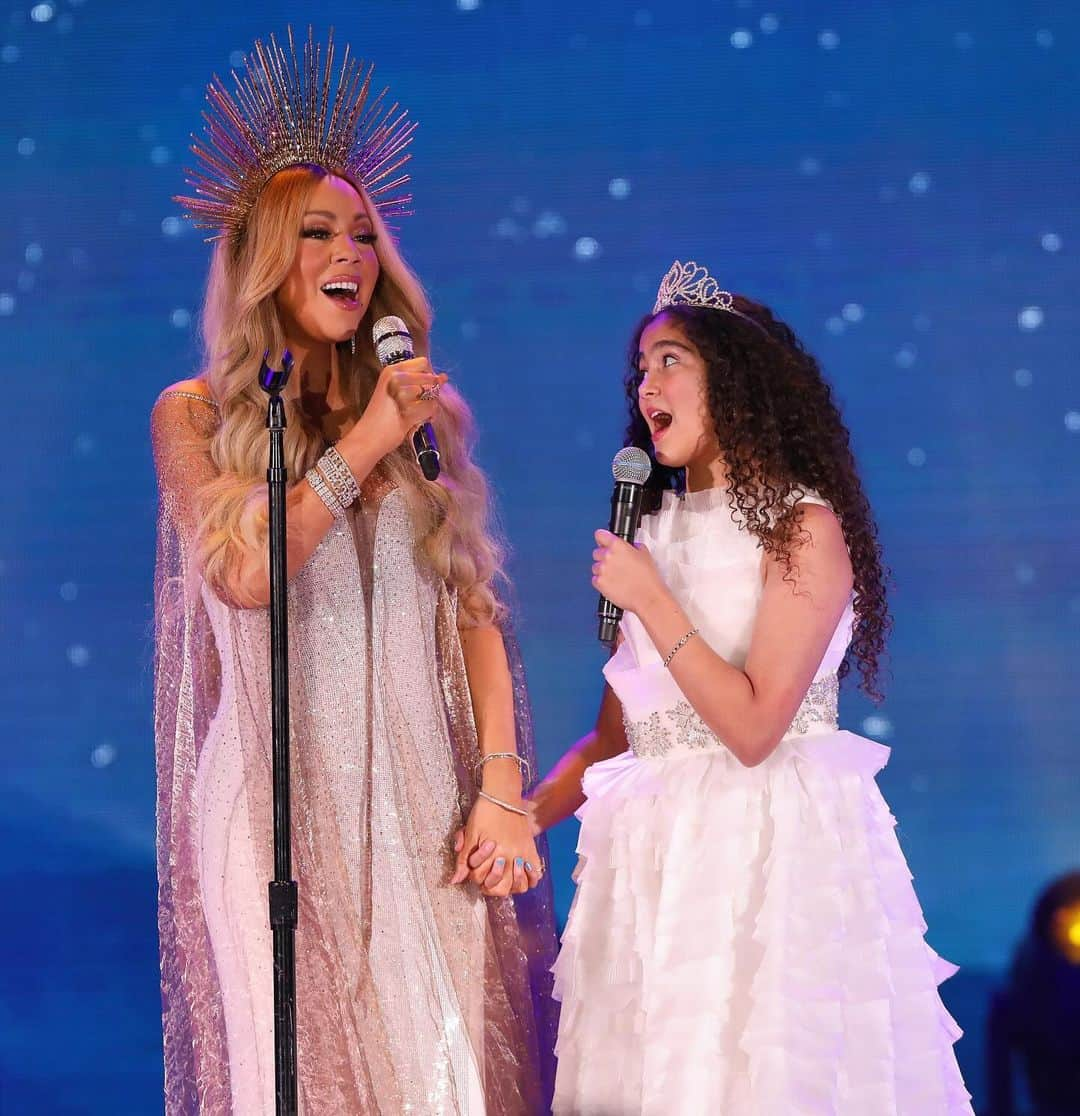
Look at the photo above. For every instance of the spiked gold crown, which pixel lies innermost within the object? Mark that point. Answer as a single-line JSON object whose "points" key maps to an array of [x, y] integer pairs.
{"points": [[283, 111]]}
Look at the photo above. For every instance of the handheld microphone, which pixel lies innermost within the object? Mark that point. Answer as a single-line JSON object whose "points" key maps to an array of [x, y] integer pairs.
{"points": [[631, 468], [393, 344]]}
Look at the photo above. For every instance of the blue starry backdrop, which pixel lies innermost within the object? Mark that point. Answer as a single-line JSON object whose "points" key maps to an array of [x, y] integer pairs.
{"points": [[899, 180]]}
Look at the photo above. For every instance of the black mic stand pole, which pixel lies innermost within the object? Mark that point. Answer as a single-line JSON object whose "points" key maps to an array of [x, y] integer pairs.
{"points": [[282, 889]]}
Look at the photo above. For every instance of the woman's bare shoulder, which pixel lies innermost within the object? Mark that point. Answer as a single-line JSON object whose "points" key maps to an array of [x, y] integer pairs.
{"points": [[189, 389], [184, 409]]}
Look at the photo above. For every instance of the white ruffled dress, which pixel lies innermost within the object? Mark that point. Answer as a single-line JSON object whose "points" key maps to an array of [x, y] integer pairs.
{"points": [[743, 941]]}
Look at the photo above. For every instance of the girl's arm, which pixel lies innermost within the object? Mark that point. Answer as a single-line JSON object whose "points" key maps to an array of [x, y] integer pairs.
{"points": [[560, 793], [748, 709]]}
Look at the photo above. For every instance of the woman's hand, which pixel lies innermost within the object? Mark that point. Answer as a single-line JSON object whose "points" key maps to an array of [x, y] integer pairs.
{"points": [[625, 574], [496, 850], [405, 397]]}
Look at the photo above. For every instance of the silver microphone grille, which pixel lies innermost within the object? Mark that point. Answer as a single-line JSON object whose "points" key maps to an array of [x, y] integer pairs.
{"points": [[631, 465], [392, 339]]}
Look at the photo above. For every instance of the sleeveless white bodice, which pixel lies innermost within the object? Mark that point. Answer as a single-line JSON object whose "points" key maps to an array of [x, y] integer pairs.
{"points": [[713, 566]]}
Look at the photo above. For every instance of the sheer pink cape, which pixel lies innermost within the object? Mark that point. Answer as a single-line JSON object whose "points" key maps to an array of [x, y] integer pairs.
{"points": [[211, 668]]}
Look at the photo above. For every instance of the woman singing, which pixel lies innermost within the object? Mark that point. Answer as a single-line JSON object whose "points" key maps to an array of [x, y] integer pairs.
{"points": [[418, 990]]}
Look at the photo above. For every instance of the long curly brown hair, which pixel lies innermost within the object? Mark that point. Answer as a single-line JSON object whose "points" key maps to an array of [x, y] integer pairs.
{"points": [[781, 436]]}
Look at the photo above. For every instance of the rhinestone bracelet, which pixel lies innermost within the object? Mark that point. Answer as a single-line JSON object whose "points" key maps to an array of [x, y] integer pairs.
{"points": [[526, 770], [325, 493], [680, 645], [505, 805], [337, 474]]}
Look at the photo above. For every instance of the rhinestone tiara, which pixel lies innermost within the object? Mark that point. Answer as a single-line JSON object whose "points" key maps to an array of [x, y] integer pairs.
{"points": [[690, 284], [287, 110]]}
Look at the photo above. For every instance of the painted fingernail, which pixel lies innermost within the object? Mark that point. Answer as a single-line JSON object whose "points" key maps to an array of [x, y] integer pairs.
{"points": [[518, 861], [500, 862], [528, 866]]}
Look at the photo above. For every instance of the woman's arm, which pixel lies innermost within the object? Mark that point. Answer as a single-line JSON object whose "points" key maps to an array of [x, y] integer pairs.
{"points": [[182, 428], [179, 433], [748, 709], [497, 848], [492, 692], [560, 793], [247, 584]]}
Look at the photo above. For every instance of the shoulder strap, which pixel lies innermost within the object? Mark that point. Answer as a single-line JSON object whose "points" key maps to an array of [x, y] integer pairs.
{"points": [[179, 393]]}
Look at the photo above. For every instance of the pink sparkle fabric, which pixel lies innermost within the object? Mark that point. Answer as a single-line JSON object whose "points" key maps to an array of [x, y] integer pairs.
{"points": [[412, 995]]}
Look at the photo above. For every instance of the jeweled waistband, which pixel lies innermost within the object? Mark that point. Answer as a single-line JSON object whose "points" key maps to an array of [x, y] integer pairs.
{"points": [[680, 729]]}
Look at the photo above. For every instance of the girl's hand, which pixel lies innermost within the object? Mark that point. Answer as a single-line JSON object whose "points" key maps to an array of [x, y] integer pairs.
{"points": [[625, 574], [396, 407], [496, 850]]}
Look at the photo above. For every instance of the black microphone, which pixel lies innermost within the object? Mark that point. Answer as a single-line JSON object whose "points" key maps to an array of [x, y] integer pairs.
{"points": [[631, 468], [393, 343]]}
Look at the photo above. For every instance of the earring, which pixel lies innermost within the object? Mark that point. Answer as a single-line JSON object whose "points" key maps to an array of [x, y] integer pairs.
{"points": [[352, 344]]}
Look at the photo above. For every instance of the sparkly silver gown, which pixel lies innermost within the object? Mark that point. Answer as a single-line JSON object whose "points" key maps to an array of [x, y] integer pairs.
{"points": [[413, 995]]}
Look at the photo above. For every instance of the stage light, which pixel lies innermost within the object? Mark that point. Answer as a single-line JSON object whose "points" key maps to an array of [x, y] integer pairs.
{"points": [[1065, 931], [1033, 1030]]}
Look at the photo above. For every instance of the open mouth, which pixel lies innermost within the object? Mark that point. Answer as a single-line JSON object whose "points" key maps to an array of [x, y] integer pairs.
{"points": [[660, 421], [343, 292]]}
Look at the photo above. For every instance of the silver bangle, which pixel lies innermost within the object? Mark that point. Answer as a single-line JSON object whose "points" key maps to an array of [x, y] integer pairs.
{"points": [[325, 493], [526, 770], [504, 805], [337, 474], [680, 645]]}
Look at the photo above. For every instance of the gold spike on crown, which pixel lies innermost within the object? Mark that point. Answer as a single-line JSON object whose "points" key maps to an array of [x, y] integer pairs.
{"points": [[690, 284], [286, 111]]}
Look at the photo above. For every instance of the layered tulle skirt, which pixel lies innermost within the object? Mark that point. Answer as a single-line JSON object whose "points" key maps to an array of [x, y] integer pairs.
{"points": [[747, 942]]}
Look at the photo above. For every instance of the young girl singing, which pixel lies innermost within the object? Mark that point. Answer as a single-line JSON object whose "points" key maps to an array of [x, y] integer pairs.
{"points": [[745, 938]]}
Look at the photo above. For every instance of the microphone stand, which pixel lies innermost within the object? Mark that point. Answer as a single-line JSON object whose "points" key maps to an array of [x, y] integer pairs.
{"points": [[282, 889]]}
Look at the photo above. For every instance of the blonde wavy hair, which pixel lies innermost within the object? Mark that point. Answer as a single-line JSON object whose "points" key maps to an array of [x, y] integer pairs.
{"points": [[240, 324]]}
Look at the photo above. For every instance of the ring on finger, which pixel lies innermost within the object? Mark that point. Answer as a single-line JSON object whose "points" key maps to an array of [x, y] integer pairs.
{"points": [[429, 393]]}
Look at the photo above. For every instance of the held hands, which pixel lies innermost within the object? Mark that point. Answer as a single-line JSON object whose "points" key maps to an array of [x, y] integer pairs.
{"points": [[496, 851], [625, 574], [405, 397]]}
